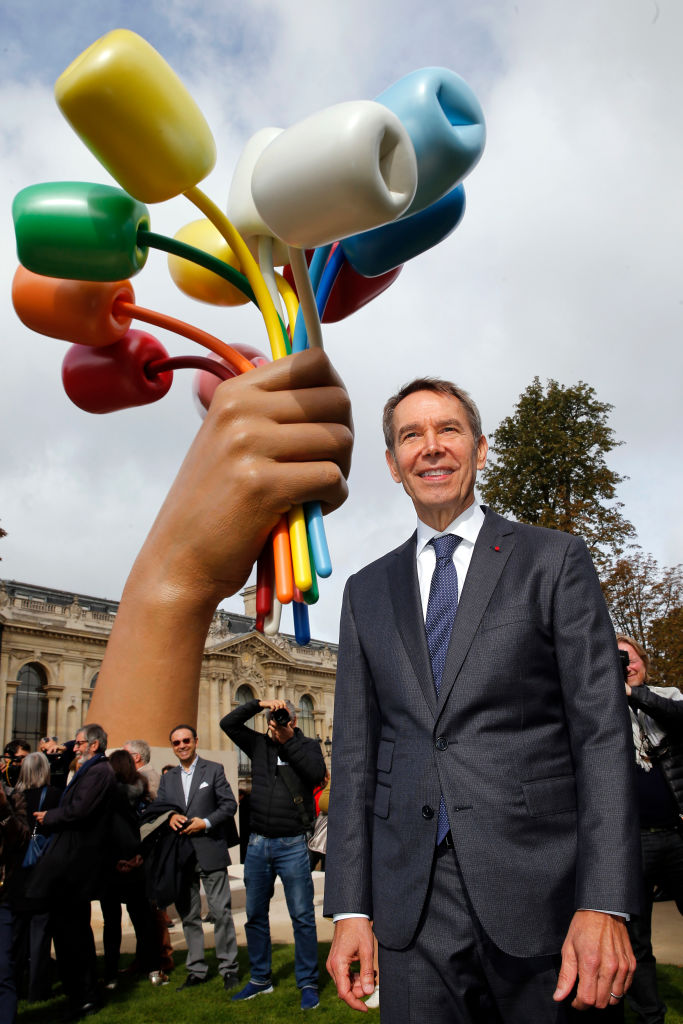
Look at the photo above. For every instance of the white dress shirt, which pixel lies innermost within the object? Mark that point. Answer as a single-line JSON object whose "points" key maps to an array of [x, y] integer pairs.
{"points": [[467, 526]]}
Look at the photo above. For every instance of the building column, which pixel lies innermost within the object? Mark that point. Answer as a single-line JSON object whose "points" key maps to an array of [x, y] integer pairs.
{"points": [[53, 694], [11, 686]]}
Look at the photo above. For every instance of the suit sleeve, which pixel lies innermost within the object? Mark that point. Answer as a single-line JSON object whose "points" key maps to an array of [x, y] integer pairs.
{"points": [[226, 805], [608, 854], [348, 866]]}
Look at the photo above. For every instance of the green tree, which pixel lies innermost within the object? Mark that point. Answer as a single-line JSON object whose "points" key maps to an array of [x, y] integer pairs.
{"points": [[547, 467], [646, 602]]}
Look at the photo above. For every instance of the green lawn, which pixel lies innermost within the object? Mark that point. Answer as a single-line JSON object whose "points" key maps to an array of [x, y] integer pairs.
{"points": [[137, 1002]]}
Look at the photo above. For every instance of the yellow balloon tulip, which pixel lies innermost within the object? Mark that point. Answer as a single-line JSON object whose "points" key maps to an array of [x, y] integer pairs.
{"points": [[132, 111], [197, 282]]}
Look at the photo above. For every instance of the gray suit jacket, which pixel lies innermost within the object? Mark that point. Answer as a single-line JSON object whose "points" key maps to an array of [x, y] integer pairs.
{"points": [[210, 797], [528, 741]]}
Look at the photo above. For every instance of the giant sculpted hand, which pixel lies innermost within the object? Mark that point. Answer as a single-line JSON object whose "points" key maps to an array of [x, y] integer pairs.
{"points": [[273, 438]]}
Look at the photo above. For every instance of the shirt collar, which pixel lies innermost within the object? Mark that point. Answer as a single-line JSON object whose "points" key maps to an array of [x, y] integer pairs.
{"points": [[467, 526], [188, 771]]}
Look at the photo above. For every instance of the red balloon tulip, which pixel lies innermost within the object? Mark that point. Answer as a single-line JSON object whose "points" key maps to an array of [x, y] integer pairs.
{"points": [[100, 380]]}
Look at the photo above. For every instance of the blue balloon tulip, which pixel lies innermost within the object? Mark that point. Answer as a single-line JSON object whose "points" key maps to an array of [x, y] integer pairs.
{"points": [[445, 122], [371, 253]]}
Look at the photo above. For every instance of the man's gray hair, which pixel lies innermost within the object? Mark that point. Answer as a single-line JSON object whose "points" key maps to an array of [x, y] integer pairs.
{"points": [[94, 734], [140, 747], [439, 387]]}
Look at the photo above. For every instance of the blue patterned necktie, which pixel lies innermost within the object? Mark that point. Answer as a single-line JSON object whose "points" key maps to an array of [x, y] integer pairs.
{"points": [[441, 609]]}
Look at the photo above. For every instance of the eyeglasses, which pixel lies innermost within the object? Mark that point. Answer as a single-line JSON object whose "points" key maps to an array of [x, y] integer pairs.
{"points": [[181, 743]]}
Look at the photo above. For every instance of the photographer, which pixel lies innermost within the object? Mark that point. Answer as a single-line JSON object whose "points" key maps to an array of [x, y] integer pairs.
{"points": [[286, 766], [657, 721], [12, 760]]}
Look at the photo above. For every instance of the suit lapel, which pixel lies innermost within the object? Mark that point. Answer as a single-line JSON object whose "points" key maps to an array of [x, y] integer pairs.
{"points": [[405, 597], [493, 548], [197, 777]]}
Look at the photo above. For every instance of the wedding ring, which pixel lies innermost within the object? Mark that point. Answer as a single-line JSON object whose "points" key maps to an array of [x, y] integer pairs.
{"points": [[615, 996]]}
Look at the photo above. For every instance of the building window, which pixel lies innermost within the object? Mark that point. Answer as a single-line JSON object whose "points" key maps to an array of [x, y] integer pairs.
{"points": [[243, 695], [30, 705], [93, 681], [305, 716]]}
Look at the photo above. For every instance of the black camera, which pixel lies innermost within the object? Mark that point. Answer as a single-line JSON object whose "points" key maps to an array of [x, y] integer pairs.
{"points": [[280, 716], [623, 658]]}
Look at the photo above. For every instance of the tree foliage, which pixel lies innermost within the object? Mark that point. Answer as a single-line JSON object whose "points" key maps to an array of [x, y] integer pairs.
{"points": [[547, 467], [646, 602]]}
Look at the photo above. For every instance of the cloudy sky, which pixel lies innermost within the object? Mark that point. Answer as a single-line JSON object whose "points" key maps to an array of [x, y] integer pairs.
{"points": [[567, 264]]}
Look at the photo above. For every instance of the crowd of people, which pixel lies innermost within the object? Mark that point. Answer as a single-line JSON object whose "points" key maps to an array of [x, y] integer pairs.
{"points": [[83, 824]]}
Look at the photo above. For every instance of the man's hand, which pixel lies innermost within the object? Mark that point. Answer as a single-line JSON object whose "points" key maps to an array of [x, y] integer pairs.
{"points": [[39, 816], [598, 952], [278, 733], [194, 826], [353, 941], [177, 822]]}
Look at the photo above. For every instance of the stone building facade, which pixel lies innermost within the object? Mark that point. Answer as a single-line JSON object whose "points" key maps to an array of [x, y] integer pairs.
{"points": [[52, 643]]}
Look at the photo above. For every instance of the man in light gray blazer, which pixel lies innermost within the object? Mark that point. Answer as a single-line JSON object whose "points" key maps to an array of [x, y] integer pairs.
{"points": [[481, 816], [201, 790]]}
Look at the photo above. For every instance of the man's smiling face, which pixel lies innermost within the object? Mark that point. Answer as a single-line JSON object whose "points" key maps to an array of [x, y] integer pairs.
{"points": [[436, 456]]}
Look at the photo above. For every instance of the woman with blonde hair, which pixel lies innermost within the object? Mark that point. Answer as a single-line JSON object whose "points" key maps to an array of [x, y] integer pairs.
{"points": [[657, 723]]}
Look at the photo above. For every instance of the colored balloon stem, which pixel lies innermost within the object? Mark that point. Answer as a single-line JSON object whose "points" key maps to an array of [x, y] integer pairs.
{"points": [[329, 276], [149, 316], [203, 259], [248, 264], [308, 331], [302, 628], [317, 539], [198, 256], [158, 366]]}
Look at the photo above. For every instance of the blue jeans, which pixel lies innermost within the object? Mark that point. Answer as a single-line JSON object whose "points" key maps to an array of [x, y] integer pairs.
{"points": [[288, 858]]}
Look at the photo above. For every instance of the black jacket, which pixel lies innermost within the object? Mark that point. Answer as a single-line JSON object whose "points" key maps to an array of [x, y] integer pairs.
{"points": [[71, 867], [668, 714], [273, 813]]}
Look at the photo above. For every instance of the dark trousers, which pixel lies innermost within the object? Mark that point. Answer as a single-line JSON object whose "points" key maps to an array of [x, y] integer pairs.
{"points": [[75, 950], [32, 952], [129, 888], [8, 989], [453, 974], [662, 865]]}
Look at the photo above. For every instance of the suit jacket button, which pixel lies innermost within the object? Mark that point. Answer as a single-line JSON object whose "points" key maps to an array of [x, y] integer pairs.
{"points": [[427, 812], [441, 743]]}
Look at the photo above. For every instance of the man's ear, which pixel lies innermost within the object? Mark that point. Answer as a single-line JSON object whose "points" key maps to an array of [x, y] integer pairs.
{"points": [[482, 452], [393, 469]]}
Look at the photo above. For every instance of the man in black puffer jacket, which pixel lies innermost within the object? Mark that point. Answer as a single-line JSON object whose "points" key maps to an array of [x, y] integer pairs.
{"points": [[286, 766]]}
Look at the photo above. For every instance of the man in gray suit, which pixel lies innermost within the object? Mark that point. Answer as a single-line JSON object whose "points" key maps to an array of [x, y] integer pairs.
{"points": [[202, 790], [481, 814]]}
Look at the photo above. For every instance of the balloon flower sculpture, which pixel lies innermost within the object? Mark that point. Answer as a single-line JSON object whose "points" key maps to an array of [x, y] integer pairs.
{"points": [[355, 190]]}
